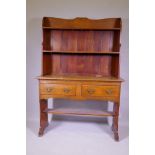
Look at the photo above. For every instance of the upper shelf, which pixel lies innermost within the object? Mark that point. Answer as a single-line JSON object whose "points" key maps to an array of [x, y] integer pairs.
{"points": [[82, 23], [105, 29], [81, 52]]}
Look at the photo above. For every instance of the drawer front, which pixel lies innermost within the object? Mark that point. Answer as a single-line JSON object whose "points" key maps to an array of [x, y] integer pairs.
{"points": [[58, 89], [100, 91]]}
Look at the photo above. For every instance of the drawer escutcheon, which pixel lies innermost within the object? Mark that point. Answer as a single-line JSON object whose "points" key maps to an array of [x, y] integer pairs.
{"points": [[49, 89], [109, 92], [66, 90], [90, 91]]}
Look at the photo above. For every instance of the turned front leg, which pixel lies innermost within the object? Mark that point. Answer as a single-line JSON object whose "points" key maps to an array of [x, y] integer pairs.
{"points": [[115, 121], [43, 116]]}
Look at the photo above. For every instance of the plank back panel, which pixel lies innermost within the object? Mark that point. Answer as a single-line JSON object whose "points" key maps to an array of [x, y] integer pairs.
{"points": [[81, 40], [46, 63], [81, 64], [46, 44], [115, 66], [79, 43]]}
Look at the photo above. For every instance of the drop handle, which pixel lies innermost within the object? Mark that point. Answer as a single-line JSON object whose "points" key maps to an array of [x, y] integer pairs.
{"points": [[90, 91], [66, 90], [109, 91], [49, 89]]}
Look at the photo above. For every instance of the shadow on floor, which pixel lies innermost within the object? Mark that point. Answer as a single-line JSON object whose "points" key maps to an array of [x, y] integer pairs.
{"points": [[33, 126], [123, 131]]}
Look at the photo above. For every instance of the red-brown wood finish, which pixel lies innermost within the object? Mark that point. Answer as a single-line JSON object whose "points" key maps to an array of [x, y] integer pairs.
{"points": [[81, 23], [80, 60], [43, 116], [81, 40]]}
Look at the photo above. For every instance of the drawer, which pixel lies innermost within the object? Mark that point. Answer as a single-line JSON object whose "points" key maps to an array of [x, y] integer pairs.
{"points": [[100, 91], [58, 89]]}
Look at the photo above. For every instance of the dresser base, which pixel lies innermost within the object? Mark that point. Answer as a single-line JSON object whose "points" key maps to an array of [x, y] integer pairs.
{"points": [[79, 89]]}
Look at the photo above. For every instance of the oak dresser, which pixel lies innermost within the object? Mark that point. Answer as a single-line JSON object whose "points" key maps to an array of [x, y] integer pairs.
{"points": [[80, 61]]}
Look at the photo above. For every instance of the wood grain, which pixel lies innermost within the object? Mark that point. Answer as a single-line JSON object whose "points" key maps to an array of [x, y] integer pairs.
{"points": [[81, 23], [79, 112], [58, 89], [80, 61], [81, 40], [100, 90], [76, 77], [81, 64], [43, 116], [80, 90]]}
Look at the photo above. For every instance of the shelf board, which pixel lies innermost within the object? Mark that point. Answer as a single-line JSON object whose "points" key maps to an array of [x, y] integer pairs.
{"points": [[99, 29], [75, 77], [80, 112], [81, 52]]}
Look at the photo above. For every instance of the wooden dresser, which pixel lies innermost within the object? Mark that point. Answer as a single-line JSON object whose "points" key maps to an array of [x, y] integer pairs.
{"points": [[80, 60]]}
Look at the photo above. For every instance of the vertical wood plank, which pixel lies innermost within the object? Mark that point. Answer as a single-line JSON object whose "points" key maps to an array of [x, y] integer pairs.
{"points": [[47, 63], [56, 64], [56, 40], [106, 65], [46, 44]]}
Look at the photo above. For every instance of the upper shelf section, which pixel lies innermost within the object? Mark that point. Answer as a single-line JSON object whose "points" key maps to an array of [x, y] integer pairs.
{"points": [[81, 40], [82, 23]]}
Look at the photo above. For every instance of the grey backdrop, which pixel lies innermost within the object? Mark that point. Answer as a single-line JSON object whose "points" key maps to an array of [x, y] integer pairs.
{"points": [[36, 9]]}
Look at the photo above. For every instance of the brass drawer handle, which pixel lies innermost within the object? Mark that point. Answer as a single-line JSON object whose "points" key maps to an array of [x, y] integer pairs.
{"points": [[90, 91], [109, 91], [66, 90], [49, 89]]}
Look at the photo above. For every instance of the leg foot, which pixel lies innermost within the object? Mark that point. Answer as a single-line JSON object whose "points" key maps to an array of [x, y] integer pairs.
{"points": [[116, 136], [41, 130]]}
